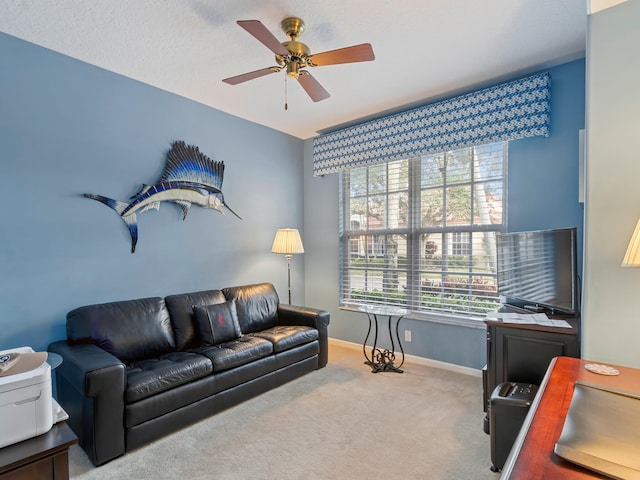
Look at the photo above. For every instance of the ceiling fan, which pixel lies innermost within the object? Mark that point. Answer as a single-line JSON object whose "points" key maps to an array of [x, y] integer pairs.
{"points": [[294, 56]]}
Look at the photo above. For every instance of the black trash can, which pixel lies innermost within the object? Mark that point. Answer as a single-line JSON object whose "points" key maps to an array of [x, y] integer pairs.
{"points": [[509, 405]]}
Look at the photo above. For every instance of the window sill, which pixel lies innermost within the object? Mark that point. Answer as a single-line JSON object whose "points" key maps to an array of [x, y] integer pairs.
{"points": [[435, 318]]}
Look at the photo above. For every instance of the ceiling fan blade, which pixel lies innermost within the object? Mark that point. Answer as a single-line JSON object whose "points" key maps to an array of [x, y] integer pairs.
{"points": [[313, 87], [356, 53], [258, 30], [249, 76]]}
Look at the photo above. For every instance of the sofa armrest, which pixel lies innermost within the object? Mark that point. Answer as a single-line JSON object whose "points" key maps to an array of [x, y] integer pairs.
{"points": [[90, 385], [308, 317]]}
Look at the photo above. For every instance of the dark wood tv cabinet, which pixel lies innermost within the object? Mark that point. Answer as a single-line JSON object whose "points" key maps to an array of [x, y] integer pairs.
{"points": [[523, 352], [45, 457]]}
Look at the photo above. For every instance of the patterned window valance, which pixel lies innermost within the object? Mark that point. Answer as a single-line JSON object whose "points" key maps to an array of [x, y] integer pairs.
{"points": [[508, 111]]}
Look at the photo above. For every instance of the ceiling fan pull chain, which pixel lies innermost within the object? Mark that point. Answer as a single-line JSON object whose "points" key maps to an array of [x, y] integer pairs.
{"points": [[286, 105]]}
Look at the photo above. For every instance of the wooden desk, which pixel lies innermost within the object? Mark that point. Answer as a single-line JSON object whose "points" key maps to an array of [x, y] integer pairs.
{"points": [[45, 457], [532, 455]]}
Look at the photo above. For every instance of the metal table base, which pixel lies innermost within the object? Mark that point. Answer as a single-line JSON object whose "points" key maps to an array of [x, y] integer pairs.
{"points": [[383, 359]]}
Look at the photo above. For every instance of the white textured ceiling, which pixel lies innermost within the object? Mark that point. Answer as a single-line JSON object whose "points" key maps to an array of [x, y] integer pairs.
{"points": [[424, 48]]}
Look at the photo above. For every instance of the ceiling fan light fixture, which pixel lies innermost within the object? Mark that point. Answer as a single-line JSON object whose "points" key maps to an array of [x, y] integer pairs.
{"points": [[292, 69]]}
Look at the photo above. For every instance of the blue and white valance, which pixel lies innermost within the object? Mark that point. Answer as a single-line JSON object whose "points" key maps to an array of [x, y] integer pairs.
{"points": [[508, 111]]}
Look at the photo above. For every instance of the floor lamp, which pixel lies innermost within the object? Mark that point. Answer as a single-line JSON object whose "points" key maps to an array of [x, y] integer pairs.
{"points": [[287, 242]]}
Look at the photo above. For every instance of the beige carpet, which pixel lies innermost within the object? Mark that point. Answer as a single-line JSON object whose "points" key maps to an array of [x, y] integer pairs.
{"points": [[340, 422]]}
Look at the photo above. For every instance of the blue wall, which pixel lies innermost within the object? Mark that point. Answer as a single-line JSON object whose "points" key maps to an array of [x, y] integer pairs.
{"points": [[66, 128], [542, 190], [542, 193]]}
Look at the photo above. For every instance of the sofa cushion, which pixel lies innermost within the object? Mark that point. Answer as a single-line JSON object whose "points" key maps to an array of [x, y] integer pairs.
{"points": [[285, 337], [149, 377], [131, 330], [257, 306], [182, 317], [217, 323], [237, 352]]}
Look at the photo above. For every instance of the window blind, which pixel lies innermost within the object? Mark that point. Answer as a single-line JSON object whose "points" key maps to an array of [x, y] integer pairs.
{"points": [[420, 233]]}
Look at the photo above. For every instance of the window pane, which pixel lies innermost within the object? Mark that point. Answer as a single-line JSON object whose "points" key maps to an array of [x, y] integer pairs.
{"points": [[459, 205], [431, 249], [398, 210], [484, 253], [376, 212], [358, 182], [488, 198], [378, 179], [358, 214], [431, 207], [459, 166], [489, 165], [398, 176], [376, 269], [432, 171]]}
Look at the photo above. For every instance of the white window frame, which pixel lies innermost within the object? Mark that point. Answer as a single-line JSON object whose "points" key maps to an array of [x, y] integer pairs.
{"points": [[412, 269]]}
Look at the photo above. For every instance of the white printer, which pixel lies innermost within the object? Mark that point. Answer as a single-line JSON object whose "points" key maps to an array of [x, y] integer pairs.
{"points": [[26, 406]]}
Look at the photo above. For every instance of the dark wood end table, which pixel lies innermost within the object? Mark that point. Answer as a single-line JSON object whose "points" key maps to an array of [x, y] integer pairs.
{"points": [[45, 457]]}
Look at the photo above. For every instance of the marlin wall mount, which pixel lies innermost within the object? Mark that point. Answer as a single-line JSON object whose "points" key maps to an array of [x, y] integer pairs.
{"points": [[189, 177]]}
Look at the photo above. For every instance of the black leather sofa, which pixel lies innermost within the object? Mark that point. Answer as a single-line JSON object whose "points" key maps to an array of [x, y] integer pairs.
{"points": [[136, 370]]}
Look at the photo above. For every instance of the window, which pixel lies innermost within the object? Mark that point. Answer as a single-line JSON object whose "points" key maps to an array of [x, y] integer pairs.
{"points": [[420, 233], [460, 243]]}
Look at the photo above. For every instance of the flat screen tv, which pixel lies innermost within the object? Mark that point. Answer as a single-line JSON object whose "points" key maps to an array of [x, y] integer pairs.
{"points": [[537, 270]]}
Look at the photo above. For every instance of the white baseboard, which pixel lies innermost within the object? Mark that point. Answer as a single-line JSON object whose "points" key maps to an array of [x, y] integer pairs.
{"points": [[427, 362]]}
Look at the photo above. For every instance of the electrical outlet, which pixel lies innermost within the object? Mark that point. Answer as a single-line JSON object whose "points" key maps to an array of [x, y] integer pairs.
{"points": [[407, 335]]}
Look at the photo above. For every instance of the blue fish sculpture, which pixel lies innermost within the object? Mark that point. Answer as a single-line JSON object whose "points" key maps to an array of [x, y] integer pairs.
{"points": [[189, 177]]}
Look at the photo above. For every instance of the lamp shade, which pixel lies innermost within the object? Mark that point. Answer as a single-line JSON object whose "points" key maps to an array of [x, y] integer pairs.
{"points": [[632, 257], [287, 242]]}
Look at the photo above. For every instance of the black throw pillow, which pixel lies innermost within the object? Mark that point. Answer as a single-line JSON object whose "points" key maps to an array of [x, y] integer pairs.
{"points": [[217, 323]]}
